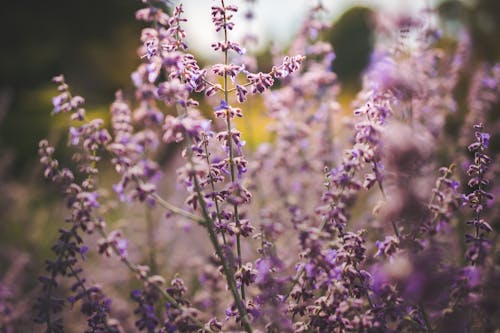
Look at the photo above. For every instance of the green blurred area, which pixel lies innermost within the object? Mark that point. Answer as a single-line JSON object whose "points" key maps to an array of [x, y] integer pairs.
{"points": [[92, 42]]}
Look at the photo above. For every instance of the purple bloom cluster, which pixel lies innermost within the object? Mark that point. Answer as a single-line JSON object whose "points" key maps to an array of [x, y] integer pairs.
{"points": [[478, 198], [82, 200], [335, 225]]}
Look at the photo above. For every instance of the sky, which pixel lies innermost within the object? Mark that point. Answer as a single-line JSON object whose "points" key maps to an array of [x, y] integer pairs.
{"points": [[277, 20]]}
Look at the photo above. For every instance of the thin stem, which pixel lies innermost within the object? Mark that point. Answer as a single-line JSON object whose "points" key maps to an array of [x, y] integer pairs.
{"points": [[212, 185], [395, 228], [436, 215], [329, 139], [231, 152], [212, 84], [243, 85], [379, 182], [478, 213], [209, 224], [176, 210], [428, 325], [375, 166], [226, 266], [295, 280], [150, 226]]}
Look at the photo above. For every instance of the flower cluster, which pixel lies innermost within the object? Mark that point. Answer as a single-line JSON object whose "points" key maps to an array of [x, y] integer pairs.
{"points": [[83, 200], [478, 198], [345, 221]]}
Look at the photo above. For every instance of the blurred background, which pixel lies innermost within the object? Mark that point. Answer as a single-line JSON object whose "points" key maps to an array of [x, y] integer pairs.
{"points": [[94, 42]]}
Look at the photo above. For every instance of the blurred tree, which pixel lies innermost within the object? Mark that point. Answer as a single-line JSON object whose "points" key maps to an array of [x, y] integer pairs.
{"points": [[352, 39], [482, 20], [91, 41]]}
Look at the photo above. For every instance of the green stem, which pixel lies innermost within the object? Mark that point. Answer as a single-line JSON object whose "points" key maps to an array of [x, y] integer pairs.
{"points": [[212, 185], [231, 153], [428, 325], [226, 266], [150, 226], [176, 210], [395, 228]]}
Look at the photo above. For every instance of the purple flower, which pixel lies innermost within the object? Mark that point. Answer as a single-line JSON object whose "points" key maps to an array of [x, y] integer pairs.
{"points": [[228, 45], [60, 103], [223, 110], [221, 17], [260, 82], [83, 250], [74, 135], [241, 93], [479, 245], [89, 199], [231, 70], [122, 246], [483, 139], [289, 65]]}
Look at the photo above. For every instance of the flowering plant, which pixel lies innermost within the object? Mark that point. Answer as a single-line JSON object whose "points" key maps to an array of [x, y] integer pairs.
{"points": [[329, 227]]}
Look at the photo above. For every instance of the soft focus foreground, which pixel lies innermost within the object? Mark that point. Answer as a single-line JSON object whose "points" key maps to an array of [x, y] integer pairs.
{"points": [[375, 215]]}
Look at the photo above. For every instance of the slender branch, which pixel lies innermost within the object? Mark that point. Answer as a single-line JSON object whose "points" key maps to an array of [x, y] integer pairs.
{"points": [[212, 185], [427, 322], [209, 224], [213, 84], [150, 226], [231, 152], [395, 228], [226, 266], [176, 210], [295, 280], [437, 215], [234, 89], [379, 181]]}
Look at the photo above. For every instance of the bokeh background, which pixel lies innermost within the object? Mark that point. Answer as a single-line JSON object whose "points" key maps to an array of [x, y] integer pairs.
{"points": [[94, 43]]}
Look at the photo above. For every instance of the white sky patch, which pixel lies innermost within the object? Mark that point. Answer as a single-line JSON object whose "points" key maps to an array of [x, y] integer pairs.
{"points": [[277, 20]]}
